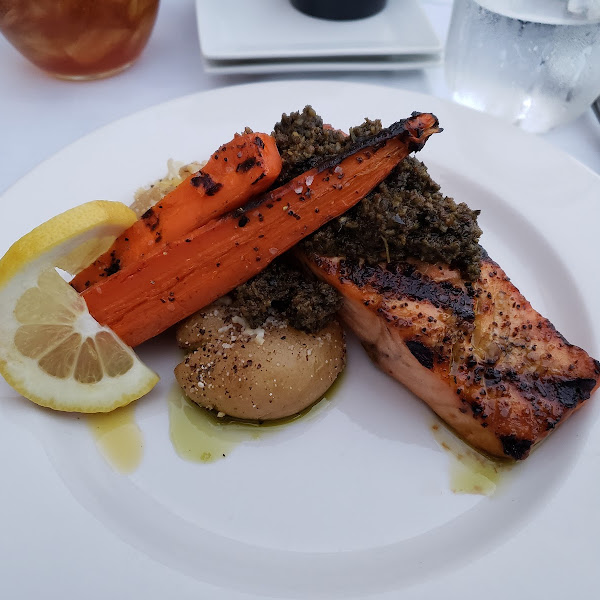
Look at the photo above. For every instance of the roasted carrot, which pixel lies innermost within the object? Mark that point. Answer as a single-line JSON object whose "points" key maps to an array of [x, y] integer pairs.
{"points": [[245, 167], [147, 297]]}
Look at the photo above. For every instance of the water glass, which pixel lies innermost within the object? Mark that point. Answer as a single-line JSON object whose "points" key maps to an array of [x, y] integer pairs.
{"points": [[535, 63]]}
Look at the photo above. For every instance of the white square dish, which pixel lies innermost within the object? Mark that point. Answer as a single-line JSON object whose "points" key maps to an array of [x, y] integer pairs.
{"points": [[274, 29]]}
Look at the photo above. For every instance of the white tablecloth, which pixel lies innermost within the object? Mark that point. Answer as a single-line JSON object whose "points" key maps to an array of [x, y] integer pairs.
{"points": [[39, 114]]}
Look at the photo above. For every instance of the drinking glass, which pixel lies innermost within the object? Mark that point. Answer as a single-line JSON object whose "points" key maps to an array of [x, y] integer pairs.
{"points": [[79, 39], [535, 63]]}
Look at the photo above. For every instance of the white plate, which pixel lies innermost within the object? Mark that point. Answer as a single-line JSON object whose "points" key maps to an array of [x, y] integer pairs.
{"points": [[269, 29], [355, 500]]}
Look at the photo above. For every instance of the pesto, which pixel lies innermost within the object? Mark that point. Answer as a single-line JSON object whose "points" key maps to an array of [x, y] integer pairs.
{"points": [[406, 216], [285, 292], [303, 141]]}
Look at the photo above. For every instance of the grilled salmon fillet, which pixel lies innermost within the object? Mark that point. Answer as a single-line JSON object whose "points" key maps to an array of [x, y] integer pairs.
{"points": [[478, 354]]}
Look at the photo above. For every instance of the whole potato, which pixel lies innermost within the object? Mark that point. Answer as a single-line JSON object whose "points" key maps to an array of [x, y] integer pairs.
{"points": [[268, 373]]}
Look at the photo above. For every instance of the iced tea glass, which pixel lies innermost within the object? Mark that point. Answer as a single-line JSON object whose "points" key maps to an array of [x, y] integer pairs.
{"points": [[79, 39]]}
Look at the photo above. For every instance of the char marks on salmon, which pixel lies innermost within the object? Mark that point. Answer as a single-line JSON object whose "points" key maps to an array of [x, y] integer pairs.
{"points": [[477, 353]]}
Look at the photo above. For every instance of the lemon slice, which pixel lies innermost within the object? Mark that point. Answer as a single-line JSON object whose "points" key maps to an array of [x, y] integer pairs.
{"points": [[52, 351]]}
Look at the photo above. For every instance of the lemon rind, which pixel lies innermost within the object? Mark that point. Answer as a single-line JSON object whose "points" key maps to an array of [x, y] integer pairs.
{"points": [[97, 399], [64, 232], [41, 249]]}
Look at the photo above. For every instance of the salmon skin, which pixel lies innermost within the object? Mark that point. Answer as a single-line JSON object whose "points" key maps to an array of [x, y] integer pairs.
{"points": [[478, 354]]}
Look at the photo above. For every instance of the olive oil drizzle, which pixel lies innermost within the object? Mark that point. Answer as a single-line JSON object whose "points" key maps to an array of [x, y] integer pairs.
{"points": [[198, 435], [470, 471], [118, 437]]}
